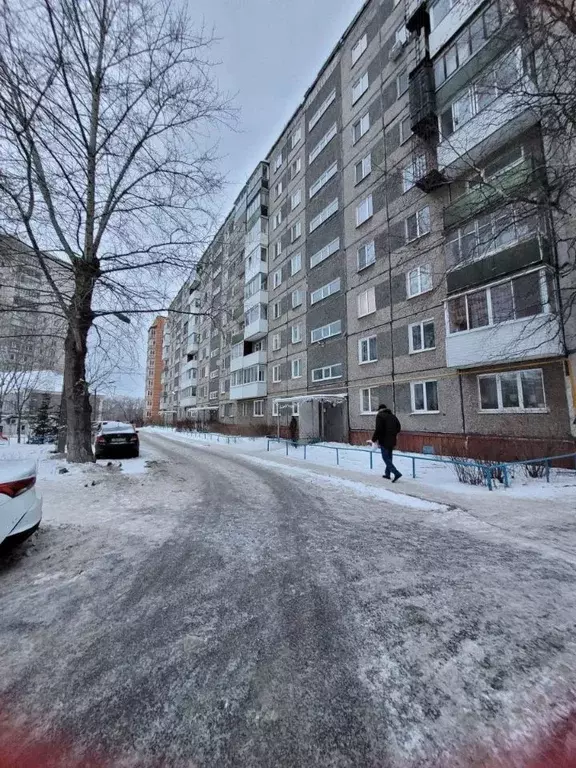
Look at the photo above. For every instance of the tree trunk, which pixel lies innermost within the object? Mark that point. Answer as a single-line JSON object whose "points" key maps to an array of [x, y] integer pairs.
{"points": [[61, 447]]}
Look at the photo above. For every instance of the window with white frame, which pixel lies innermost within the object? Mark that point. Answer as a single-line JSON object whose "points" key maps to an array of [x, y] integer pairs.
{"points": [[402, 83], [330, 99], [295, 168], [295, 231], [278, 189], [296, 332], [364, 210], [417, 225], [295, 409], [405, 129], [296, 137], [276, 369], [401, 34], [253, 206], [326, 331], [296, 368], [359, 47], [324, 215], [327, 372], [360, 87], [277, 219], [366, 255], [419, 280], [276, 342], [421, 336], [277, 249], [297, 298], [322, 180], [367, 302], [295, 199], [526, 296], [325, 252], [323, 143], [424, 396], [363, 168], [369, 400], [368, 350], [258, 408], [326, 290], [277, 278], [278, 162], [276, 310], [214, 395], [512, 391], [360, 128], [415, 170], [295, 264], [275, 407]]}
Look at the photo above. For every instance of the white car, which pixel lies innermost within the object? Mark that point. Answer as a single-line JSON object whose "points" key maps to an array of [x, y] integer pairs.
{"points": [[20, 504]]}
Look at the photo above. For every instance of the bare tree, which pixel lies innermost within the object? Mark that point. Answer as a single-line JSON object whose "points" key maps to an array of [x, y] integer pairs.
{"points": [[124, 408], [107, 112]]}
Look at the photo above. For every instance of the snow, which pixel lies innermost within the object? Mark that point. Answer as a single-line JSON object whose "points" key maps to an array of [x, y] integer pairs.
{"points": [[431, 472]]}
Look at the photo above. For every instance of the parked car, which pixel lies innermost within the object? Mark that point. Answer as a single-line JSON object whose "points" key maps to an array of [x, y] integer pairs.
{"points": [[20, 503], [114, 439]]}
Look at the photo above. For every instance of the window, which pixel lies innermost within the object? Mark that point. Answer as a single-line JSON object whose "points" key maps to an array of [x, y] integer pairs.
{"points": [[325, 252], [295, 168], [223, 386], [363, 168], [296, 334], [297, 298], [325, 214], [296, 368], [295, 199], [277, 278], [328, 372], [258, 408], [421, 336], [419, 280], [364, 210], [512, 391], [295, 264], [323, 179], [326, 331], [367, 350], [490, 233], [275, 410], [323, 143], [278, 189], [369, 400], [277, 220], [366, 255], [525, 296], [415, 170], [417, 225], [277, 249], [401, 83], [276, 310], [424, 396], [360, 128], [439, 10], [296, 137], [276, 374], [278, 162], [360, 87], [295, 231], [367, 302], [295, 409], [325, 291], [252, 208], [401, 35], [359, 48], [276, 342], [214, 395], [322, 109]]}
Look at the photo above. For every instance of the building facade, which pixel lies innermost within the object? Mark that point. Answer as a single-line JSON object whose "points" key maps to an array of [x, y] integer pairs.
{"points": [[395, 246], [154, 367]]}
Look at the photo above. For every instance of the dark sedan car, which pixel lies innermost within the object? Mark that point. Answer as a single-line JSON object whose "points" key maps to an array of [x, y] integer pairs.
{"points": [[115, 439]]}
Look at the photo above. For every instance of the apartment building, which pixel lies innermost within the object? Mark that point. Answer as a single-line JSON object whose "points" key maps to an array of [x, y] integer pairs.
{"points": [[395, 246], [154, 366]]}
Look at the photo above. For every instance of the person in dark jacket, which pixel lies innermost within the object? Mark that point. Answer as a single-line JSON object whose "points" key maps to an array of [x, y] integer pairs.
{"points": [[387, 429], [293, 428]]}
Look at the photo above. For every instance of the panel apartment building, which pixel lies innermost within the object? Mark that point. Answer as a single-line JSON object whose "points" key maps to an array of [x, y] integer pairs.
{"points": [[393, 248], [154, 370]]}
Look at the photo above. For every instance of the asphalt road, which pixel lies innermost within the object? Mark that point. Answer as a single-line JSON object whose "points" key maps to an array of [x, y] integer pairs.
{"points": [[240, 616]]}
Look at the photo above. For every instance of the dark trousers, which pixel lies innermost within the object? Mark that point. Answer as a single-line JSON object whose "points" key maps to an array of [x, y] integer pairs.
{"points": [[387, 458]]}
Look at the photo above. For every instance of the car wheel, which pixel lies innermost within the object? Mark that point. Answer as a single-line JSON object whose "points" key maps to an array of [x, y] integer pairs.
{"points": [[19, 538]]}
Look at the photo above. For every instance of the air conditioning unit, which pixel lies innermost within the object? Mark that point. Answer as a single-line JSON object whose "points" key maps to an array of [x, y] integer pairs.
{"points": [[396, 50]]}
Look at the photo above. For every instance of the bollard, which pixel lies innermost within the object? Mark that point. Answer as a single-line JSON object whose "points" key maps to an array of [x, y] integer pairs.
{"points": [[414, 467], [337, 457], [268, 446], [547, 470], [371, 459], [286, 447], [304, 451]]}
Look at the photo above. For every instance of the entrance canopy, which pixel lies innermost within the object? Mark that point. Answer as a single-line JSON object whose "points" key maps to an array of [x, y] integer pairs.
{"points": [[324, 398], [201, 410]]}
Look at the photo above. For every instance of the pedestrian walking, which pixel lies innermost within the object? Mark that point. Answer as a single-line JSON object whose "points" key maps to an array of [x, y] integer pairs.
{"points": [[293, 427], [385, 434]]}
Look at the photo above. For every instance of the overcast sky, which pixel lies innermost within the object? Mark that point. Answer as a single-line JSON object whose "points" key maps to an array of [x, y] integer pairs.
{"points": [[269, 52]]}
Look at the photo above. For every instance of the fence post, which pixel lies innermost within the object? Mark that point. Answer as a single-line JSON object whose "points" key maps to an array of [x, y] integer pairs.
{"points": [[337, 457], [371, 459], [488, 475], [286, 444], [414, 467], [506, 478], [547, 470], [268, 446], [304, 451]]}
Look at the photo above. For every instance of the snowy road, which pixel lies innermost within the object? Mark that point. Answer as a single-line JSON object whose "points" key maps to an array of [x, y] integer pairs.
{"points": [[223, 613]]}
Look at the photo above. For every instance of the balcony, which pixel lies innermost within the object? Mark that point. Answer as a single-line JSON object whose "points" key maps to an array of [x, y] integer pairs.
{"points": [[249, 391], [523, 339], [247, 361], [506, 116], [256, 330], [192, 344], [423, 116], [451, 23], [523, 175], [260, 297], [417, 16]]}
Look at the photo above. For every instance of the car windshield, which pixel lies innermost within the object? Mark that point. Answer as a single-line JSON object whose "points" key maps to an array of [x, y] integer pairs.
{"points": [[108, 428]]}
